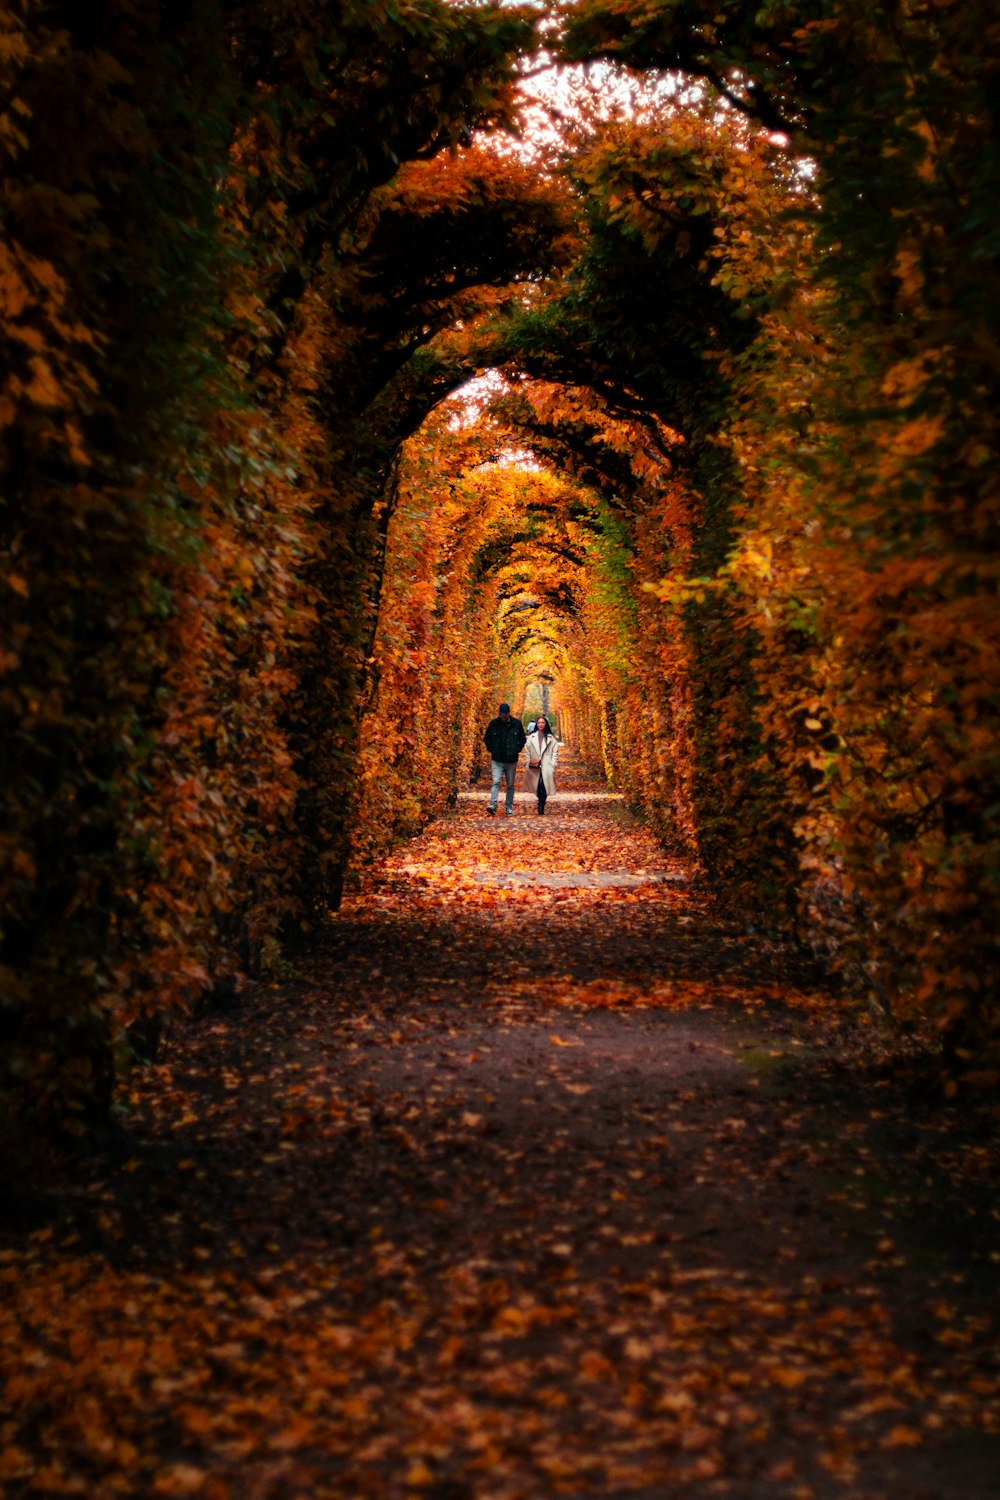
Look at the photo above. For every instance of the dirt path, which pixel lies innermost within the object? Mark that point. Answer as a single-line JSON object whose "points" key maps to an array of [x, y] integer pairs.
{"points": [[538, 1180]]}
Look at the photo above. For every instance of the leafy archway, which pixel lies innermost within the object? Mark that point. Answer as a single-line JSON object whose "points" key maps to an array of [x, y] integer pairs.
{"points": [[733, 488]]}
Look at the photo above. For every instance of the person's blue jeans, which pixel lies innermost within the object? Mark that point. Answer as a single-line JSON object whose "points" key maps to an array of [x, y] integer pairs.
{"points": [[502, 769]]}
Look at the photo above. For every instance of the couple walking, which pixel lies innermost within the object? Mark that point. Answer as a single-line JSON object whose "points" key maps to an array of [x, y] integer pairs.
{"points": [[505, 739]]}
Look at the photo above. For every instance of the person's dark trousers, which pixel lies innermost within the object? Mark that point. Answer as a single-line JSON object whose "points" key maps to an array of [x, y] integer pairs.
{"points": [[542, 796]]}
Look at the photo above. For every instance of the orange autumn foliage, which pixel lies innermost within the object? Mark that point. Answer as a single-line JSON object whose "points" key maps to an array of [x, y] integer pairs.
{"points": [[728, 508]]}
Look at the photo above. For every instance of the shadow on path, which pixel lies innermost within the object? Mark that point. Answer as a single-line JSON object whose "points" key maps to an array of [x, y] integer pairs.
{"points": [[531, 1183]]}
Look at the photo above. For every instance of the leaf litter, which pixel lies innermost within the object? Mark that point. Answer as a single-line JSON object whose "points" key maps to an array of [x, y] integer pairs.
{"points": [[514, 1192]]}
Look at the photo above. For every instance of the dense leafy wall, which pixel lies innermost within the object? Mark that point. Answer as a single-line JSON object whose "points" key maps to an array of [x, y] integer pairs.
{"points": [[205, 315], [863, 423]]}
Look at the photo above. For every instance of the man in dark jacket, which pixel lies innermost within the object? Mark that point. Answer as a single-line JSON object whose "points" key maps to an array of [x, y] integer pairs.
{"points": [[504, 740]]}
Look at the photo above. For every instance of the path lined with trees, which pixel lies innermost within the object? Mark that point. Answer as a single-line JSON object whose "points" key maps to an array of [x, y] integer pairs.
{"points": [[725, 475], [366, 363], [540, 1178]]}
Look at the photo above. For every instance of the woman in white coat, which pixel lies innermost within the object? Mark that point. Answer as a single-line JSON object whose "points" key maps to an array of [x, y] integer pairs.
{"points": [[541, 754]]}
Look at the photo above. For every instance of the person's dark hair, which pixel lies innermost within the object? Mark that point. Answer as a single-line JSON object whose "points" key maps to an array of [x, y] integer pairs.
{"points": [[548, 730]]}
